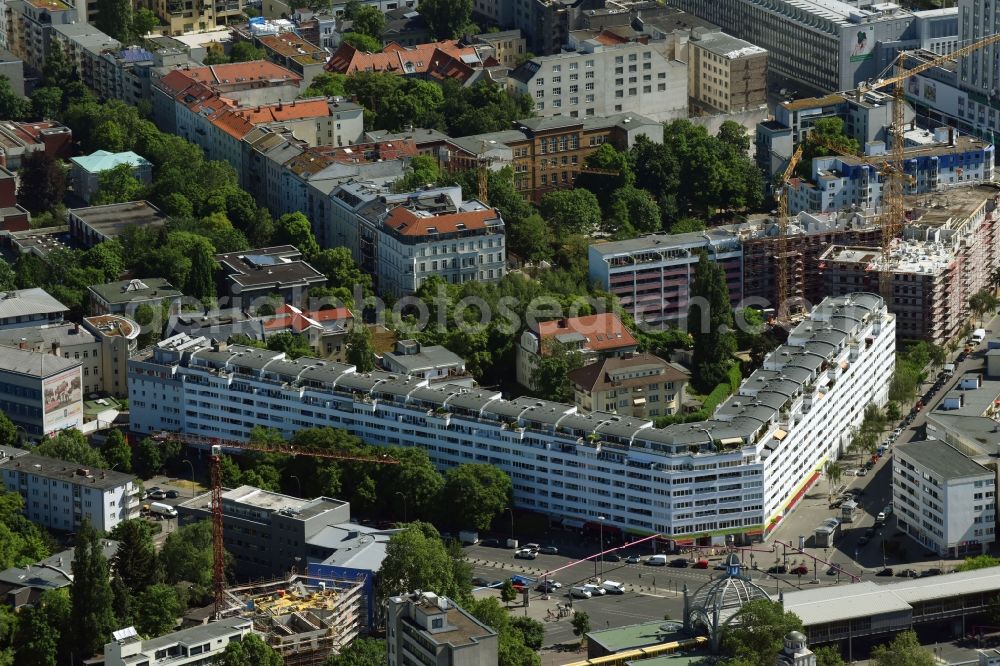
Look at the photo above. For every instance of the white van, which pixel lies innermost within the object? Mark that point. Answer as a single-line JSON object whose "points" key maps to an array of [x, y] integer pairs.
{"points": [[613, 587], [978, 336], [579, 592], [657, 560], [595, 590]]}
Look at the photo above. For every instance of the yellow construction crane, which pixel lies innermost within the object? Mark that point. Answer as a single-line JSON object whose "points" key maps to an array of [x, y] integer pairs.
{"points": [[781, 276], [892, 192]]}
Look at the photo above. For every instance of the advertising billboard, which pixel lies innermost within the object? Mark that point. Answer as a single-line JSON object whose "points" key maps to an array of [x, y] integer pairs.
{"points": [[862, 45], [63, 398]]}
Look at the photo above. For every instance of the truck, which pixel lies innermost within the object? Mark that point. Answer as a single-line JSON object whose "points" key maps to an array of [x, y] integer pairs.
{"points": [[161, 509], [468, 537]]}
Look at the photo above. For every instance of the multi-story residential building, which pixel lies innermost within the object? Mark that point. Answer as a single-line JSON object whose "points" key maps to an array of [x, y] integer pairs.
{"points": [[13, 216], [432, 362], [864, 120], [18, 139], [945, 255], [33, 28], [546, 154], [187, 647], [246, 83], [184, 16], [258, 274], [127, 296], [95, 224], [447, 59], [737, 474], [592, 336], [509, 46], [404, 238], [268, 533], [725, 74], [651, 275], [118, 336], [293, 53], [437, 631], [638, 385], [28, 308], [828, 45], [40, 392], [633, 78], [853, 183], [86, 170], [84, 46], [59, 495], [942, 499], [68, 341]]}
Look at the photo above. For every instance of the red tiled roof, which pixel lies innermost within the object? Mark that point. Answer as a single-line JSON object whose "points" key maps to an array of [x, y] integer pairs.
{"points": [[438, 59], [291, 317], [256, 70], [239, 121], [407, 223], [603, 331], [609, 38], [315, 159]]}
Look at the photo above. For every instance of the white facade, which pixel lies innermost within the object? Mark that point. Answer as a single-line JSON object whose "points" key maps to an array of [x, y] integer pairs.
{"points": [[842, 183], [942, 499], [601, 80], [189, 647], [58, 495], [735, 474]]}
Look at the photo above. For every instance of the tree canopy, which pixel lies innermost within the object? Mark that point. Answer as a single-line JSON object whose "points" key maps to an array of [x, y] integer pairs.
{"points": [[904, 650], [476, 494], [757, 632], [416, 559], [710, 323], [447, 18]]}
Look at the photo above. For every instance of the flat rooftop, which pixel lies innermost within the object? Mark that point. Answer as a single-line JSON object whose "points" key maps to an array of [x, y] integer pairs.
{"points": [[60, 470], [112, 220], [951, 206], [727, 46], [41, 241], [126, 291], [636, 635], [281, 266], [28, 302], [941, 459]]}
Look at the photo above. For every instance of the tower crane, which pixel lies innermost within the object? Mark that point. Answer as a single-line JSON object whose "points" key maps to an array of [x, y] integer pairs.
{"points": [[892, 194], [215, 446], [781, 195]]}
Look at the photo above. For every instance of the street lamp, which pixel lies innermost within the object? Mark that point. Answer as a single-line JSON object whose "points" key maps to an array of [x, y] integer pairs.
{"points": [[511, 522], [191, 465], [298, 482], [600, 550], [404, 504]]}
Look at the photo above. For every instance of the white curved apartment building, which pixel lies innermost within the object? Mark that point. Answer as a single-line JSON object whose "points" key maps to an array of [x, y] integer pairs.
{"points": [[736, 473]]}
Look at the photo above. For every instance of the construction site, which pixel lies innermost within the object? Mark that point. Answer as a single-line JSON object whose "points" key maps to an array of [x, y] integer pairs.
{"points": [[946, 252], [303, 618]]}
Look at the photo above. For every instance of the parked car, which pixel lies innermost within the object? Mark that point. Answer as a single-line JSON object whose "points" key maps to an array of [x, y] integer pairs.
{"points": [[679, 563], [656, 560], [157, 494], [931, 572], [480, 582], [531, 546], [525, 554], [492, 543], [832, 571], [595, 590], [907, 573], [611, 557], [172, 494], [800, 570], [700, 564], [885, 572], [548, 550], [580, 592], [862, 472], [778, 569], [546, 586], [632, 559]]}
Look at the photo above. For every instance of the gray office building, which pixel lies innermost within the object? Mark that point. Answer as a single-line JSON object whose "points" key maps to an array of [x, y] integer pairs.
{"points": [[828, 45]]}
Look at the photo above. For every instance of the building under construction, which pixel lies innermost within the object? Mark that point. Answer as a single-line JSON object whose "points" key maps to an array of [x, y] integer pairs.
{"points": [[303, 618], [809, 234], [948, 249]]}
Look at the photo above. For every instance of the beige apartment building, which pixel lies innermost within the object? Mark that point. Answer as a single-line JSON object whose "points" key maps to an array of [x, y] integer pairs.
{"points": [[636, 385], [725, 74]]}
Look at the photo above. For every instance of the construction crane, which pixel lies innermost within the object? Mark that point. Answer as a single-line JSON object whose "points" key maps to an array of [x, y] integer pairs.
{"points": [[782, 264], [892, 193], [216, 445]]}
